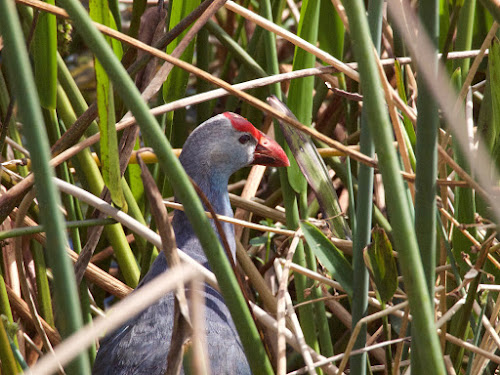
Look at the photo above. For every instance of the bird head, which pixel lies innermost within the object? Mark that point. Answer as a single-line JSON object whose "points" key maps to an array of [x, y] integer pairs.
{"points": [[227, 142], [265, 150]]}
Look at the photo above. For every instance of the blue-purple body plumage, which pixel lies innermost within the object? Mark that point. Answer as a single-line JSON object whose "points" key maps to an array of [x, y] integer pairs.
{"points": [[212, 153]]}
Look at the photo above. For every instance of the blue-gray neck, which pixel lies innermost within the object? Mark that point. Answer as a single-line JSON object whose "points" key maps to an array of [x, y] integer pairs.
{"points": [[214, 186]]}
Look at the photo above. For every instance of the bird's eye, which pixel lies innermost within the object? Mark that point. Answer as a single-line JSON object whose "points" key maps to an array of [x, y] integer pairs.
{"points": [[244, 138]]}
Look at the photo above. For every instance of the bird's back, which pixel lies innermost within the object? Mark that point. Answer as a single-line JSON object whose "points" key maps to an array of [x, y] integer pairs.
{"points": [[141, 345]]}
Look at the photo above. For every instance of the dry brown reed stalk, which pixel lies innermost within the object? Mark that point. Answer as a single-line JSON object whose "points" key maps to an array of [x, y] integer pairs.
{"points": [[284, 300]]}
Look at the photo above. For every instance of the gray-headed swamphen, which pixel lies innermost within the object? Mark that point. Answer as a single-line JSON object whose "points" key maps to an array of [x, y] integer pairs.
{"points": [[212, 153]]}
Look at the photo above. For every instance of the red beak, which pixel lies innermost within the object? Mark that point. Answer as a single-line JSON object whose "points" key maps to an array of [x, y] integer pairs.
{"points": [[269, 153]]}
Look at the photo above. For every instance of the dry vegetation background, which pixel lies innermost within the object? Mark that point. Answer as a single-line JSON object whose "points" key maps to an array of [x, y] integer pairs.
{"points": [[376, 251]]}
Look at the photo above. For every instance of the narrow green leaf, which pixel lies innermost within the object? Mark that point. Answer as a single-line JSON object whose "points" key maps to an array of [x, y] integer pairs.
{"points": [[203, 53], [91, 177], [464, 203], [42, 283], [300, 94], [19, 70], [382, 264], [329, 255], [332, 40], [115, 44], [397, 201], [444, 22], [464, 34], [45, 58], [138, 8], [410, 131], [175, 85], [110, 157], [493, 126], [486, 124], [134, 179], [114, 8], [9, 365], [362, 217], [313, 168], [493, 8], [427, 153]]}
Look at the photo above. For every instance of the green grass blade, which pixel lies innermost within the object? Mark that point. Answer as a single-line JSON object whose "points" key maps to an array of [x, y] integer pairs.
{"points": [[110, 157], [426, 154], [45, 58], [91, 178], [66, 293], [410, 131], [269, 39], [74, 95], [175, 85], [138, 8], [44, 299], [491, 129], [364, 210], [331, 37], [314, 170], [465, 31], [114, 8], [397, 204], [464, 203], [382, 264], [9, 365], [329, 255], [444, 22], [5, 309], [203, 110], [300, 94], [134, 181]]}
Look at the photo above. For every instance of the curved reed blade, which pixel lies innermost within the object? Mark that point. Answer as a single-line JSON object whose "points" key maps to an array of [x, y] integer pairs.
{"points": [[314, 170]]}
